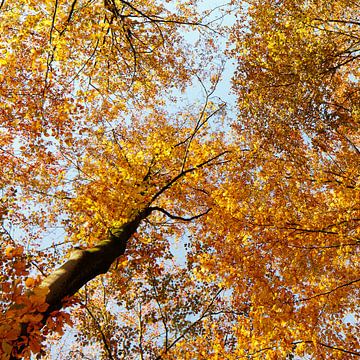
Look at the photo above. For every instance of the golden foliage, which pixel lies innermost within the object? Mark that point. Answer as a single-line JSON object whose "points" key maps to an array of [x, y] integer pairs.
{"points": [[250, 246]]}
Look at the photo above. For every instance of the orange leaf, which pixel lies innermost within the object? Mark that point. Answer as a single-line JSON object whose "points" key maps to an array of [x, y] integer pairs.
{"points": [[29, 282]]}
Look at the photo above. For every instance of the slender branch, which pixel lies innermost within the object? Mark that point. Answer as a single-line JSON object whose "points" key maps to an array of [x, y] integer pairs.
{"points": [[316, 247], [300, 230], [53, 21], [356, 148], [261, 350], [308, 342], [69, 17], [200, 123], [329, 347], [103, 337], [15, 156], [141, 333], [183, 173], [329, 292], [352, 22], [175, 217], [340, 349], [120, 147], [159, 19], [37, 267], [197, 128], [202, 316], [339, 65], [148, 174], [231, 312], [128, 36], [55, 196], [85, 63], [162, 315]]}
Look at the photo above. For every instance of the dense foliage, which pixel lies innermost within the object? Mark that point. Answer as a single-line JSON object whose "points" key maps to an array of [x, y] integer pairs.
{"points": [[146, 217]]}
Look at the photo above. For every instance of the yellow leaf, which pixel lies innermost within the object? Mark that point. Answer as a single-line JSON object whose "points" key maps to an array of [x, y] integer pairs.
{"points": [[7, 348]]}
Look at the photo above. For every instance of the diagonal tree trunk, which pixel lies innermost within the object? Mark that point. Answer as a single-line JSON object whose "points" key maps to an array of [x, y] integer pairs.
{"points": [[83, 266]]}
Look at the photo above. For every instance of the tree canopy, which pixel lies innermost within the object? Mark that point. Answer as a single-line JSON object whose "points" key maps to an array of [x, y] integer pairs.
{"points": [[145, 214]]}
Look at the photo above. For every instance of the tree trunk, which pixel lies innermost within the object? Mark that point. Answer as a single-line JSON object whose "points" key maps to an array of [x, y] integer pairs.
{"points": [[83, 266]]}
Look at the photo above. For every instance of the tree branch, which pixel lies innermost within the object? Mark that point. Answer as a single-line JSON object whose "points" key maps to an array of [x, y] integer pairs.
{"points": [[103, 337], [329, 347], [83, 266], [183, 173], [330, 291], [175, 217], [202, 316]]}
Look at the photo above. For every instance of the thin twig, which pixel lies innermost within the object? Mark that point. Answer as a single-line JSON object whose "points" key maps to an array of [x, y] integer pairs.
{"points": [[185, 172], [69, 17], [101, 332], [202, 316], [328, 346], [328, 292], [141, 333], [162, 315]]}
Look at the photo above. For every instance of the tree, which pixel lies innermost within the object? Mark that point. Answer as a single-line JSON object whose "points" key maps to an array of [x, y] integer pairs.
{"points": [[97, 140]]}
